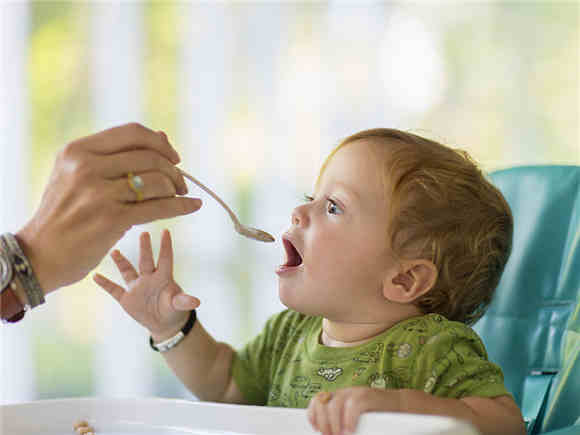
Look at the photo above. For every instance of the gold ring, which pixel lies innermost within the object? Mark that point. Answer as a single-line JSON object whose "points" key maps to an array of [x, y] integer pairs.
{"points": [[136, 184], [324, 397]]}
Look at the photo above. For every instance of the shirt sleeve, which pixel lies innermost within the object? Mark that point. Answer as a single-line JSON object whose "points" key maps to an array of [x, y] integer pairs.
{"points": [[251, 365], [454, 364]]}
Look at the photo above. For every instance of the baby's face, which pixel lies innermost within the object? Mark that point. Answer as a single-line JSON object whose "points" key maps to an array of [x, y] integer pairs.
{"points": [[340, 239]]}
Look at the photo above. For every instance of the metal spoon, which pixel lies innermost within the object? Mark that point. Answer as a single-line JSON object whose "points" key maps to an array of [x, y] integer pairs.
{"points": [[252, 233]]}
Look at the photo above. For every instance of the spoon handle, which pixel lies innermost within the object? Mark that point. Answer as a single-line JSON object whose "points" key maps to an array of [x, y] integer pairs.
{"points": [[213, 195]]}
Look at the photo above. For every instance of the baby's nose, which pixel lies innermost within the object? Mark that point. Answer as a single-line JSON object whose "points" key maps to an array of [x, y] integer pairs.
{"points": [[295, 219], [300, 216]]}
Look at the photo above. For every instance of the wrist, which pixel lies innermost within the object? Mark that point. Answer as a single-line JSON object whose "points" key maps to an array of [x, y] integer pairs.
{"points": [[32, 254], [171, 342], [165, 334]]}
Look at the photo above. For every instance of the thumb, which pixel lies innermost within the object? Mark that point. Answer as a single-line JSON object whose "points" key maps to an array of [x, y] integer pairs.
{"points": [[185, 302]]}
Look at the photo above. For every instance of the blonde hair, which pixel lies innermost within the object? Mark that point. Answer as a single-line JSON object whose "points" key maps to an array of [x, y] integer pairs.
{"points": [[443, 209]]}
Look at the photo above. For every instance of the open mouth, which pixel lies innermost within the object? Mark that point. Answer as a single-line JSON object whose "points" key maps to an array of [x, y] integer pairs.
{"points": [[293, 257]]}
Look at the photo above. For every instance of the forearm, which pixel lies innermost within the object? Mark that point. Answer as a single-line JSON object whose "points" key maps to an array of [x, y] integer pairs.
{"points": [[489, 416], [201, 363]]}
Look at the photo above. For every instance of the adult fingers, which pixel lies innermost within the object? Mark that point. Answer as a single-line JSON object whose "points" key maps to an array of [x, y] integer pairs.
{"points": [[139, 161], [126, 269], [126, 137], [146, 262], [164, 208], [109, 286], [155, 185], [165, 261]]}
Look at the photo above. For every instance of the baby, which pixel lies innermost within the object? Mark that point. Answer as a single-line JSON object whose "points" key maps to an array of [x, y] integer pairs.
{"points": [[397, 252]]}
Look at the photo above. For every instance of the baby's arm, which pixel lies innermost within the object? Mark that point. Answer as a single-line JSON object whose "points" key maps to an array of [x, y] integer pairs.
{"points": [[491, 416], [203, 365], [159, 304]]}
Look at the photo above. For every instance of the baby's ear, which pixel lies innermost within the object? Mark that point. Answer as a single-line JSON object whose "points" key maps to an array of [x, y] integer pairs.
{"points": [[413, 279]]}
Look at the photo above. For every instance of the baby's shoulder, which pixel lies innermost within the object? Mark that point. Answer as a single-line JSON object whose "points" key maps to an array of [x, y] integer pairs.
{"points": [[432, 324], [433, 333]]}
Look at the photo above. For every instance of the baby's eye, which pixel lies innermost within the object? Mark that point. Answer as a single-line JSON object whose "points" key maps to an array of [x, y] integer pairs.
{"points": [[333, 208]]}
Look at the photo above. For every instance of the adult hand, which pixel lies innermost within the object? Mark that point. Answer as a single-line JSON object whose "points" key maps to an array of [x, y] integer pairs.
{"points": [[153, 298], [88, 204], [337, 413]]}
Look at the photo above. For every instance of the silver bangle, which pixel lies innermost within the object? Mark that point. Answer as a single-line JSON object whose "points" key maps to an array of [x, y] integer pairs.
{"points": [[23, 270]]}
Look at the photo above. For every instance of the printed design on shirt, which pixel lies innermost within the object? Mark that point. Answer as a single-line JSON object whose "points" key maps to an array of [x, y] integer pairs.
{"points": [[435, 338], [305, 386], [400, 350], [371, 357], [453, 369], [430, 384], [296, 394], [482, 374], [385, 380], [329, 373], [275, 392], [404, 350], [288, 337], [358, 372], [419, 326]]}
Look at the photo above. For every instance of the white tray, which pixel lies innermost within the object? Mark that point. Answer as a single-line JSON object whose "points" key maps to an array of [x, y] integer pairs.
{"points": [[155, 416]]}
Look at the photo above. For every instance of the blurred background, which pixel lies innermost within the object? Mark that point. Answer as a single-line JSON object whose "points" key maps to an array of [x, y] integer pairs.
{"points": [[253, 95]]}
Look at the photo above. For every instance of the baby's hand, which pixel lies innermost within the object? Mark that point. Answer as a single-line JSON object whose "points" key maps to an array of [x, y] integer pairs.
{"points": [[337, 413], [153, 298]]}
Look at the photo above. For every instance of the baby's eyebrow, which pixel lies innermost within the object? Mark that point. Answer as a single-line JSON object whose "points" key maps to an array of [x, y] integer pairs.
{"points": [[351, 193]]}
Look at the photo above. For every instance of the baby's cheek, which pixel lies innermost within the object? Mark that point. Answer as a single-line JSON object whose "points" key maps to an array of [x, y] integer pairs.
{"points": [[336, 266]]}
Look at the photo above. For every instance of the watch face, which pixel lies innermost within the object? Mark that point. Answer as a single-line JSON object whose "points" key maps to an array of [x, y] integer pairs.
{"points": [[5, 271]]}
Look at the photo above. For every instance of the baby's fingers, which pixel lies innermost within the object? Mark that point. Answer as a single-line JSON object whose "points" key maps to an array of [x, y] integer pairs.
{"points": [[165, 262], [317, 415], [185, 302], [146, 262], [352, 411], [109, 286], [127, 270]]}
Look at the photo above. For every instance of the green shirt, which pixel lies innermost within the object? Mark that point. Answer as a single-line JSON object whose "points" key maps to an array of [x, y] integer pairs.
{"points": [[285, 365]]}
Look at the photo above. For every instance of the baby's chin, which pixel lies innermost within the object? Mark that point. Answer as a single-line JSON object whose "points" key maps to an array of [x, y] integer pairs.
{"points": [[299, 303]]}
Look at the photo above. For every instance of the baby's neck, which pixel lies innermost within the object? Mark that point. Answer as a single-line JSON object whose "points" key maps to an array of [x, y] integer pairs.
{"points": [[347, 334]]}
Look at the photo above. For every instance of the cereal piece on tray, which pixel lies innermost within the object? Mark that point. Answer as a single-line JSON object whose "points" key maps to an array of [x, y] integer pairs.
{"points": [[83, 428], [82, 423]]}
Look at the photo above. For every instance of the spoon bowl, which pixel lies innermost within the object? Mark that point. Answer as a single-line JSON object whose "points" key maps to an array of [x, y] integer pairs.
{"points": [[256, 234], [252, 233]]}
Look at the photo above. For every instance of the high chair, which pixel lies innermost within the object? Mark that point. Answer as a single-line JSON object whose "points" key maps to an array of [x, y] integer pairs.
{"points": [[532, 328]]}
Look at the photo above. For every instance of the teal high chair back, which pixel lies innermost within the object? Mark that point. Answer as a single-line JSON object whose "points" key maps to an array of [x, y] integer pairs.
{"points": [[532, 328]]}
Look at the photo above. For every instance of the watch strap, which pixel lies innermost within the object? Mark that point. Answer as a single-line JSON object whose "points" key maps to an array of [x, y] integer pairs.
{"points": [[170, 343], [11, 309]]}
